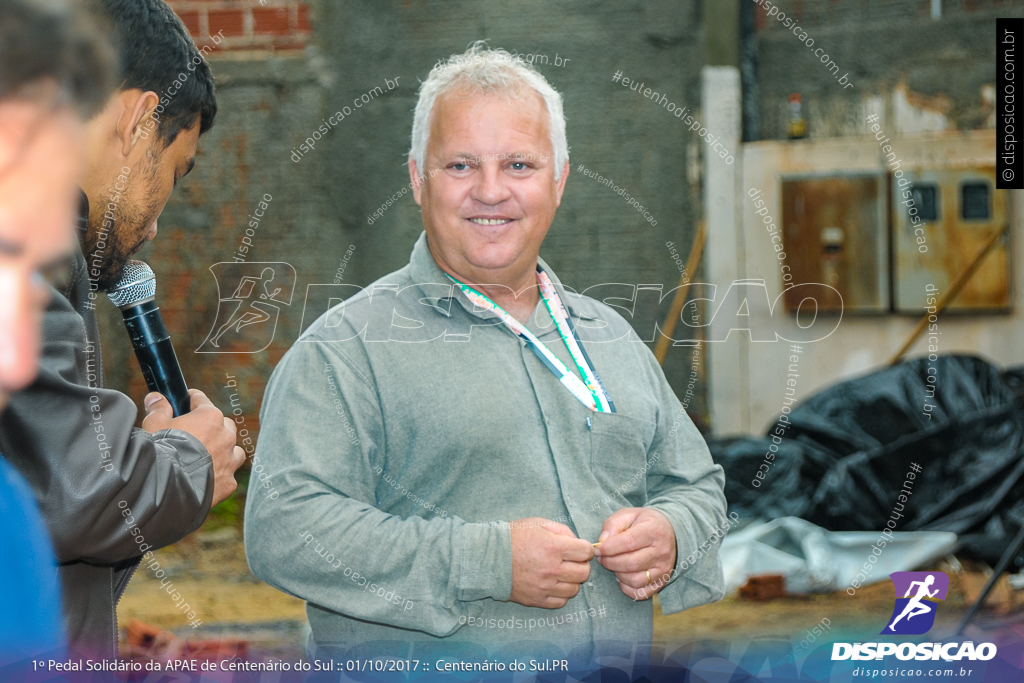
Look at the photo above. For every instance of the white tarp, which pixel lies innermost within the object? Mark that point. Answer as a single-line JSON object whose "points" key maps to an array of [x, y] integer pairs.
{"points": [[814, 560]]}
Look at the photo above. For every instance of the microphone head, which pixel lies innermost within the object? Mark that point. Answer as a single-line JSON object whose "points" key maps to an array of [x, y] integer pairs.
{"points": [[137, 285]]}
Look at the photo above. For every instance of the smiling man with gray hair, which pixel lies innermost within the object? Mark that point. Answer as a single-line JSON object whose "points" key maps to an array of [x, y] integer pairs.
{"points": [[506, 420]]}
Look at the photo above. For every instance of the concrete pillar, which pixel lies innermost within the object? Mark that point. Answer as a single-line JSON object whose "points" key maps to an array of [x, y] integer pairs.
{"points": [[722, 32], [724, 260]]}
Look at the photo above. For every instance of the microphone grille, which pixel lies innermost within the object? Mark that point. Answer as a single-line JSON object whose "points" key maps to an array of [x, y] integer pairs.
{"points": [[136, 285]]}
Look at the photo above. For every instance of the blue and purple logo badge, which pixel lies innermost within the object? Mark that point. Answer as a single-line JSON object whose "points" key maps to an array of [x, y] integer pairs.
{"points": [[914, 613]]}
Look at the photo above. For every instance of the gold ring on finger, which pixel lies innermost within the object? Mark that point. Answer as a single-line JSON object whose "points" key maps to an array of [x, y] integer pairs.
{"points": [[648, 571]]}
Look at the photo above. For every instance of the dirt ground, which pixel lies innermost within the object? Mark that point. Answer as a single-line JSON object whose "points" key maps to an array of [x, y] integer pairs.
{"points": [[210, 572], [209, 569]]}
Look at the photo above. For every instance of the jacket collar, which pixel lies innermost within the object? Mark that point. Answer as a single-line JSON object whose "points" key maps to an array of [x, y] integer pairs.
{"points": [[83, 212], [424, 270]]}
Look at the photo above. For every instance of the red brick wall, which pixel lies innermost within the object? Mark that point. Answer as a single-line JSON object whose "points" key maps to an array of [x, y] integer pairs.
{"points": [[265, 25]]}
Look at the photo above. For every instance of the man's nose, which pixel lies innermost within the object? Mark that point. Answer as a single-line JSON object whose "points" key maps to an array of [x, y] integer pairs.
{"points": [[491, 187]]}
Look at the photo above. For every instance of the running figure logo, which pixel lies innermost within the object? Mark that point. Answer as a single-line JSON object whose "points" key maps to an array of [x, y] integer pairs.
{"points": [[914, 613], [247, 317]]}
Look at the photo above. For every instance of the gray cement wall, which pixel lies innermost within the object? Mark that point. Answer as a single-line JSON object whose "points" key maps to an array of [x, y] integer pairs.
{"points": [[881, 45], [268, 105], [320, 204]]}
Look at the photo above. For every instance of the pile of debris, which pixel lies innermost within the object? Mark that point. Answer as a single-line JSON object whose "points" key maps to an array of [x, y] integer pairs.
{"points": [[843, 457]]}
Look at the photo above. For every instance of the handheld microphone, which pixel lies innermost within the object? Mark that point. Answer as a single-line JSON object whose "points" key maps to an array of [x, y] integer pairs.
{"points": [[134, 294]]}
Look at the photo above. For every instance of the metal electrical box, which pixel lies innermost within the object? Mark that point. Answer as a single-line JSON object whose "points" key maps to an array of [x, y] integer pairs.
{"points": [[835, 232], [959, 210]]}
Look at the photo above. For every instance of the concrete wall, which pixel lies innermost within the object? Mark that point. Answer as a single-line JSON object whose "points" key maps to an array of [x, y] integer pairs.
{"points": [[919, 73], [943, 64], [269, 104]]}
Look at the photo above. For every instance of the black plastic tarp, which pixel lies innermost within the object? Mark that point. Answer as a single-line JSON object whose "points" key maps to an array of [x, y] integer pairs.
{"points": [[845, 455]]}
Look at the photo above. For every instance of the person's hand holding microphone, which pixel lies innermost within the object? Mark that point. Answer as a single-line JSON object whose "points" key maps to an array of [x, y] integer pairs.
{"points": [[207, 423], [134, 293]]}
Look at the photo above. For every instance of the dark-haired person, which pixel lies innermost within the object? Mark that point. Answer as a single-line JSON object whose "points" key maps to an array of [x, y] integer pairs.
{"points": [[110, 492], [44, 95]]}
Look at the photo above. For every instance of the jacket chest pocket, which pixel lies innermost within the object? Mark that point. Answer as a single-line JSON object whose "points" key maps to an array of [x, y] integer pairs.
{"points": [[618, 457]]}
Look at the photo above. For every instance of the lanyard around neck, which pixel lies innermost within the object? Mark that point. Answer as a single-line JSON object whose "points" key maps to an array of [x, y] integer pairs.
{"points": [[590, 391]]}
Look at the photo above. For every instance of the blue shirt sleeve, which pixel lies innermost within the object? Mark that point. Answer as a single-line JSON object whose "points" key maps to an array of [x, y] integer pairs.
{"points": [[30, 607]]}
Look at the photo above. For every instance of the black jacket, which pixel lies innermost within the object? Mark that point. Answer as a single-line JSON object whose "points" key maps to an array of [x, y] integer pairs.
{"points": [[76, 444]]}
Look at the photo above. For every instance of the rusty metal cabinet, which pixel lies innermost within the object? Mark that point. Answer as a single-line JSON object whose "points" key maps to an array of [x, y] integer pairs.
{"points": [[958, 211], [835, 232], [918, 231]]}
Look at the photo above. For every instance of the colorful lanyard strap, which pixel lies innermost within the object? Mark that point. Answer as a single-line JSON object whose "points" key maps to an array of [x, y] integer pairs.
{"points": [[590, 391]]}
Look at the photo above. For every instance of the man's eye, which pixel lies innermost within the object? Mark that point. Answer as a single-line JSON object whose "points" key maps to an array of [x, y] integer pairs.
{"points": [[459, 166], [519, 166]]}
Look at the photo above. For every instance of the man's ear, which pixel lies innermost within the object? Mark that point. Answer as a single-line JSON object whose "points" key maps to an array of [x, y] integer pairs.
{"points": [[560, 186], [132, 126], [417, 181]]}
